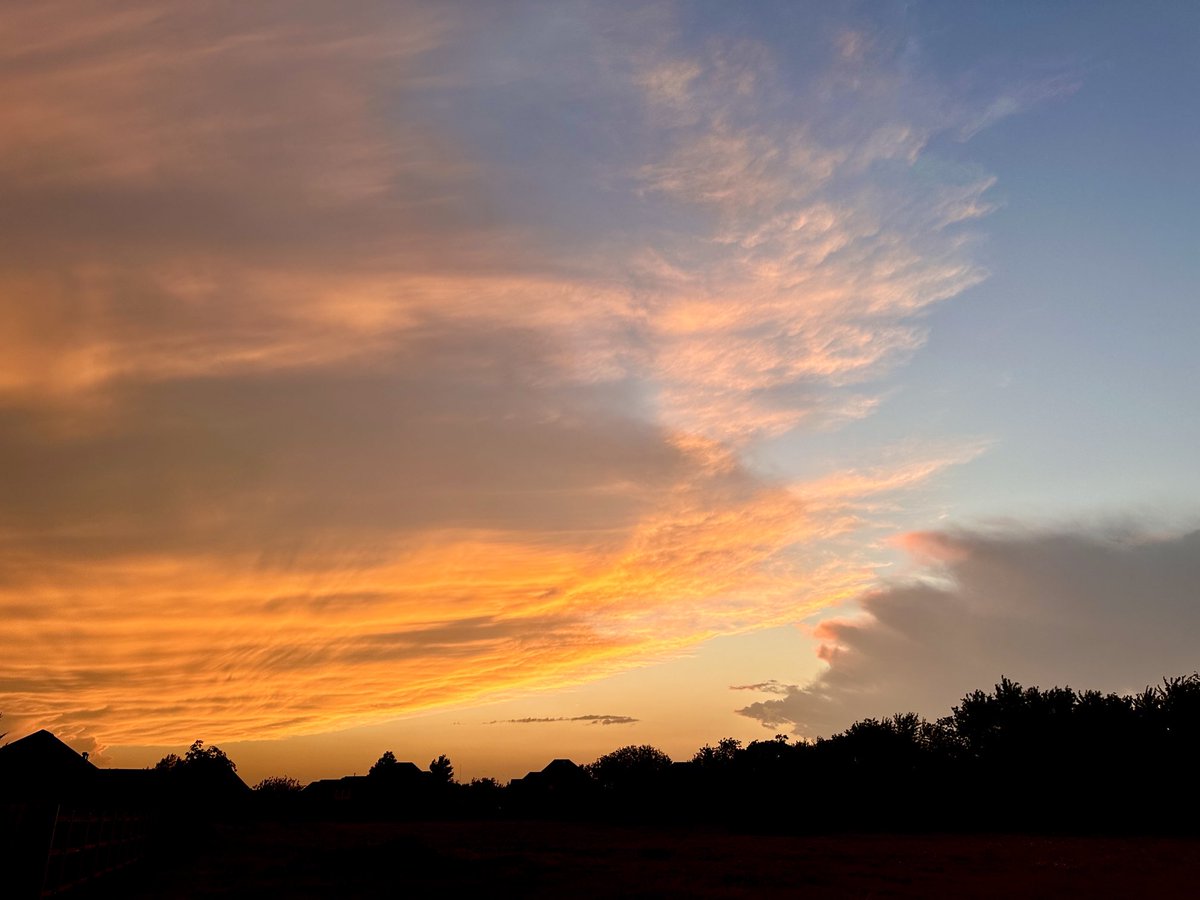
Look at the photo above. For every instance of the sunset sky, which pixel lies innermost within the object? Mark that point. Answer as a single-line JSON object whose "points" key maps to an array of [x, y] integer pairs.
{"points": [[523, 380]]}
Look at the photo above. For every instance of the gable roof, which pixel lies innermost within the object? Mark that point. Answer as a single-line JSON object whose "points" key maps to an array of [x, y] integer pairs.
{"points": [[405, 769], [40, 763], [557, 774], [42, 749]]}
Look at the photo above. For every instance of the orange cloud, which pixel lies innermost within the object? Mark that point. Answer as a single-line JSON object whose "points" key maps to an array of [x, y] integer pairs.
{"points": [[309, 417]]}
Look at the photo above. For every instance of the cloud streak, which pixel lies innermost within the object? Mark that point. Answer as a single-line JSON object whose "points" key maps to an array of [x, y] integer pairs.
{"points": [[590, 719]]}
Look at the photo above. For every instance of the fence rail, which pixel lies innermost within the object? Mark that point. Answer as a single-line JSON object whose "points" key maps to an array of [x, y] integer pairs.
{"points": [[47, 850], [86, 844]]}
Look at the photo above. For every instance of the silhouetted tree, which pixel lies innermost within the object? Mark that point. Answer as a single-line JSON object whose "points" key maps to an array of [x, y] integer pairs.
{"points": [[721, 756], [764, 772], [442, 770], [384, 765], [169, 762], [201, 783], [1178, 704], [197, 758], [279, 785], [483, 796], [632, 767]]}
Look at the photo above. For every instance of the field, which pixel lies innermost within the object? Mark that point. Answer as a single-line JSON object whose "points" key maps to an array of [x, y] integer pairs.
{"points": [[542, 859]]}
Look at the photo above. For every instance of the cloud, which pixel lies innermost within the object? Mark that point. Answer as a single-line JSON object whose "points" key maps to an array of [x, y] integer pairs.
{"points": [[764, 687], [436, 434], [813, 267], [591, 720], [1020, 98], [357, 364], [1108, 610]]}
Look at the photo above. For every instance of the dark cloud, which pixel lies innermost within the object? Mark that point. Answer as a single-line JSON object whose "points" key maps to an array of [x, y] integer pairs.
{"points": [[1113, 612], [444, 431], [591, 720]]}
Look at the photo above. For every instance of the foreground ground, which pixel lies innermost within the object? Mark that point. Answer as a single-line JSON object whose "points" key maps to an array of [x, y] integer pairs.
{"points": [[534, 859]]}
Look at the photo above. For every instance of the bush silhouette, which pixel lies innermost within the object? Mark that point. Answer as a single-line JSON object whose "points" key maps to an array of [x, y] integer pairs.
{"points": [[279, 785]]}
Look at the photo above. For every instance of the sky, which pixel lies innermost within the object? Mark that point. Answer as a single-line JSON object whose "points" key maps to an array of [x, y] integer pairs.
{"points": [[523, 380]]}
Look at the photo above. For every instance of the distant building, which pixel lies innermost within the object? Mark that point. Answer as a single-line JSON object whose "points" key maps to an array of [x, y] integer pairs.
{"points": [[561, 788], [338, 791], [401, 789], [558, 775]]}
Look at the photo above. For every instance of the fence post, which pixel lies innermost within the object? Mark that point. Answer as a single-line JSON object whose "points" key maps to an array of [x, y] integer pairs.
{"points": [[49, 850]]}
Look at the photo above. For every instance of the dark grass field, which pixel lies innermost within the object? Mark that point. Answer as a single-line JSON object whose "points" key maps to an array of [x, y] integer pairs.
{"points": [[554, 859]]}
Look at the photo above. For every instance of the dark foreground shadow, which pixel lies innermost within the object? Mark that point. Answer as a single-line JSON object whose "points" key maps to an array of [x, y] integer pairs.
{"points": [[573, 859]]}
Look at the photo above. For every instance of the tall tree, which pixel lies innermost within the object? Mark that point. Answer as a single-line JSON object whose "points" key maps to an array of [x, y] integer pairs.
{"points": [[442, 769]]}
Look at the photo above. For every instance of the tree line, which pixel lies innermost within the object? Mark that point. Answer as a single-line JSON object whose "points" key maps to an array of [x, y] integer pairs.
{"points": [[1011, 758]]}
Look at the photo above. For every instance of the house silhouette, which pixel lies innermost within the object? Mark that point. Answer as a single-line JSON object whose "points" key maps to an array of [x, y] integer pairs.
{"points": [[66, 823], [557, 776], [41, 767], [403, 788], [562, 788]]}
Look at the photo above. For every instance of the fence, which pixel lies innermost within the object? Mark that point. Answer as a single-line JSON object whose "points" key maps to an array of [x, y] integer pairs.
{"points": [[50, 849], [86, 844]]}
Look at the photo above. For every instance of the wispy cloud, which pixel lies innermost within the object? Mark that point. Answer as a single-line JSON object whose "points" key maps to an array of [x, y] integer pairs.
{"points": [[1022, 97], [591, 720], [810, 268], [765, 687]]}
